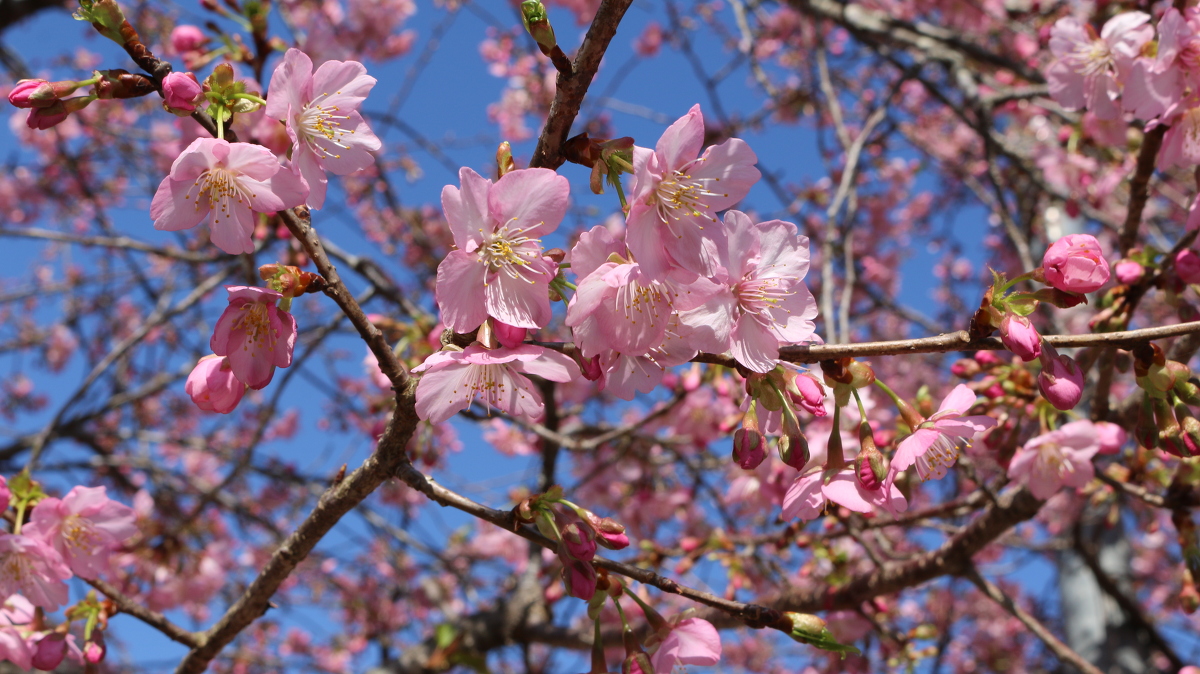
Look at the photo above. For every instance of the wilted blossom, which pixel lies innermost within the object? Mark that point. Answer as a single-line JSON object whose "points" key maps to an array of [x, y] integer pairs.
{"points": [[1075, 264], [229, 183], [497, 268], [1056, 459], [256, 335], [85, 526], [453, 379], [321, 112], [213, 386], [1089, 69], [933, 446], [1020, 337], [677, 192]]}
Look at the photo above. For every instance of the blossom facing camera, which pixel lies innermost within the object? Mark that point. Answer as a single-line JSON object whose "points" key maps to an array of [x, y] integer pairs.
{"points": [[1076, 264], [1056, 459], [321, 112], [225, 183], [255, 335], [84, 526]]}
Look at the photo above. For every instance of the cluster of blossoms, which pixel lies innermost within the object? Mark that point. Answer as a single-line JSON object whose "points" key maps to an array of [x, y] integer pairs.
{"points": [[679, 282], [52, 541]]}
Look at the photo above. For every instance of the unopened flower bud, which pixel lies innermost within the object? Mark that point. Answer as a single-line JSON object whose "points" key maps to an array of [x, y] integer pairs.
{"points": [[1170, 434], [94, 650], [508, 336], [1020, 337], [1075, 263], [805, 391], [811, 630], [44, 118], [578, 541], [1189, 427], [749, 448], [579, 577], [793, 450], [1059, 298], [1187, 266], [185, 38], [590, 367], [1186, 391], [863, 375], [965, 368], [181, 93], [987, 359], [869, 465], [1129, 271], [1061, 380], [118, 84]]}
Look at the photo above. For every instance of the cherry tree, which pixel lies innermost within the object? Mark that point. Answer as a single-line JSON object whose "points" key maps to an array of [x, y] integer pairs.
{"points": [[305, 375]]}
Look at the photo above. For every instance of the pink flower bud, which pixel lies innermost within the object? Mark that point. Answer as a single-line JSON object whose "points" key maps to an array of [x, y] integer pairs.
{"points": [[507, 335], [749, 448], [578, 541], [5, 494], [213, 386], [1111, 436], [1061, 381], [181, 92], [93, 651], [1129, 271], [22, 95], [1020, 337], [591, 368], [44, 118], [793, 450], [807, 392], [613, 540], [965, 368], [1076, 264], [579, 577], [987, 359], [1187, 266], [187, 38], [51, 649]]}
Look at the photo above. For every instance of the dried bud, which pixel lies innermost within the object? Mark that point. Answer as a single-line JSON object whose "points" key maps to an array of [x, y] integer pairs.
{"points": [[117, 84], [504, 159]]}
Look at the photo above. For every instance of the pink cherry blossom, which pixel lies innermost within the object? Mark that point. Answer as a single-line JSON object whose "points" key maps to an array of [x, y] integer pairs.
{"points": [[762, 301], [1075, 264], [625, 375], [1181, 142], [1187, 266], [1059, 458], [15, 648], [85, 526], [677, 192], [1110, 436], [1155, 86], [229, 182], [807, 496], [256, 335], [933, 446], [213, 386], [453, 379], [31, 567], [321, 112], [691, 641], [1089, 70], [5, 494], [1128, 271], [498, 269]]}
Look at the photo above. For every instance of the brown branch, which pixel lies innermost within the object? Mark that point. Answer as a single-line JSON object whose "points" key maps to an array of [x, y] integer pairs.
{"points": [[1061, 651], [152, 618], [572, 88], [113, 242], [1139, 187], [338, 500]]}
